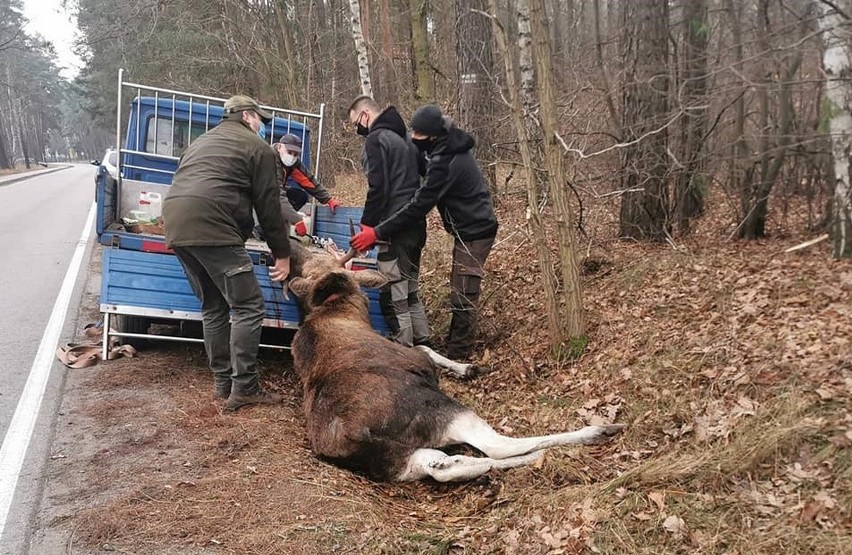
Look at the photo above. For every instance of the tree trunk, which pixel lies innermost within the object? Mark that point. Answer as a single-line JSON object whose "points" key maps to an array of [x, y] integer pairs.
{"points": [[573, 320], [755, 199], [289, 60], [645, 161], [476, 105], [5, 163], [389, 89], [360, 48], [740, 171], [604, 74], [526, 69], [526, 65], [839, 98], [539, 239], [425, 88], [23, 140], [696, 30]]}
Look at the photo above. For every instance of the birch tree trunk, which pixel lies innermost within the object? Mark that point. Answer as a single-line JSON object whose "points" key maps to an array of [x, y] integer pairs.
{"points": [[545, 266], [525, 60], [839, 96], [573, 320], [360, 48], [526, 67]]}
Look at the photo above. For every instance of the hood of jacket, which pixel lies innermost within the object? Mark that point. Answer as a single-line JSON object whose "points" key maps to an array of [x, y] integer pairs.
{"points": [[389, 119], [456, 141]]}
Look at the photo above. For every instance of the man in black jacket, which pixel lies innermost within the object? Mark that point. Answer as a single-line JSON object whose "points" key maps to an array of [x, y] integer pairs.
{"points": [[390, 161], [455, 184]]}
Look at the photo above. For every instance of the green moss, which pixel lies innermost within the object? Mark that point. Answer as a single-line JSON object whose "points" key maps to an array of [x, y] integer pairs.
{"points": [[572, 349]]}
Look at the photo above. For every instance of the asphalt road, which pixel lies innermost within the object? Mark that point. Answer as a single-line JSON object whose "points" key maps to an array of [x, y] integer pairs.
{"points": [[41, 222]]}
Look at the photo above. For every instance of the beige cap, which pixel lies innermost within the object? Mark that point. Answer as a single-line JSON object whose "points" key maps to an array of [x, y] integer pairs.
{"points": [[241, 102]]}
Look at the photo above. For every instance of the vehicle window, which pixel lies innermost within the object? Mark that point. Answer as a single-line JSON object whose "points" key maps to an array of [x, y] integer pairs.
{"points": [[168, 141]]}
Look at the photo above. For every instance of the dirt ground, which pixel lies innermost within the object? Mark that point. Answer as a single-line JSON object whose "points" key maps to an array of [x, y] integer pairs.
{"points": [[730, 363]]}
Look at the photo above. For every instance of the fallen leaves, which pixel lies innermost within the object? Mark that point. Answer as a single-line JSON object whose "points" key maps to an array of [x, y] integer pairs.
{"points": [[675, 525]]}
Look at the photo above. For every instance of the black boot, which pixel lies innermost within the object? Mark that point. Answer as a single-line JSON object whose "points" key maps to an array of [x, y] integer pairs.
{"points": [[259, 397], [223, 389]]}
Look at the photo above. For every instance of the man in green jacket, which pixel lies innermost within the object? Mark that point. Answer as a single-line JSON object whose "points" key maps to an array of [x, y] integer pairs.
{"points": [[224, 175]]}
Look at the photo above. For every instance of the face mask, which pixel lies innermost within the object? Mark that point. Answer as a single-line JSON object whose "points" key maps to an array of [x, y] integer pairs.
{"points": [[360, 128], [423, 145], [261, 132], [288, 159]]}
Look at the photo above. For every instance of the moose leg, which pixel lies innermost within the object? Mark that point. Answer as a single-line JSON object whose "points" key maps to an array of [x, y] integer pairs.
{"points": [[457, 369], [468, 428], [456, 468]]}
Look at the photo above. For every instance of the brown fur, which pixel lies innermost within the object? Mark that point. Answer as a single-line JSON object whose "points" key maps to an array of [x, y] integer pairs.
{"points": [[369, 402]]}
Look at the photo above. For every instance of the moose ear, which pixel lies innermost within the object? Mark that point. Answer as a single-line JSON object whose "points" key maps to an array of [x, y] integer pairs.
{"points": [[299, 287], [369, 278]]}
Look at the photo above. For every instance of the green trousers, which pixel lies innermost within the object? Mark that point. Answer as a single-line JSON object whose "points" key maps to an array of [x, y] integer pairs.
{"points": [[232, 310]]}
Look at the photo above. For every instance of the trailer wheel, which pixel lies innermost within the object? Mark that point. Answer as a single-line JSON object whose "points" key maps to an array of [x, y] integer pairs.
{"points": [[132, 324]]}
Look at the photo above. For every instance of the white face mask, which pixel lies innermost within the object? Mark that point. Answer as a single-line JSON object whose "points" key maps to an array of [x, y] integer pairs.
{"points": [[288, 159]]}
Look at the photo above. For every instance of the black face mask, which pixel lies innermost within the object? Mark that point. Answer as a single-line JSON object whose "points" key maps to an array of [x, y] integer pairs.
{"points": [[362, 129], [423, 145]]}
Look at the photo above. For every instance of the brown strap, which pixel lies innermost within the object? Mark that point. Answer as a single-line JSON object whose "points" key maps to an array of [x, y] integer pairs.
{"points": [[83, 355]]}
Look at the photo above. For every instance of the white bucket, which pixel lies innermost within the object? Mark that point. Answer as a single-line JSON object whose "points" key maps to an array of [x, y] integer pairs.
{"points": [[152, 203]]}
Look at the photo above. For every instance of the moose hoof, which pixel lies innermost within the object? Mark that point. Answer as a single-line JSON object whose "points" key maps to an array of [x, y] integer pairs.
{"points": [[472, 371], [602, 434]]}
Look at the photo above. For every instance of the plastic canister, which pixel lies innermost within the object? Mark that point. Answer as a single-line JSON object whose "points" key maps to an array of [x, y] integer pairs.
{"points": [[152, 203], [139, 217]]}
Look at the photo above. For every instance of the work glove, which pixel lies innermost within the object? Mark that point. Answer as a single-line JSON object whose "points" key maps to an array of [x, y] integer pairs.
{"points": [[364, 240], [332, 205], [300, 228]]}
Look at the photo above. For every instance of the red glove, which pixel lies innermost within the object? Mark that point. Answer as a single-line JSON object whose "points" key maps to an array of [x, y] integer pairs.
{"points": [[301, 229], [332, 205], [365, 240]]}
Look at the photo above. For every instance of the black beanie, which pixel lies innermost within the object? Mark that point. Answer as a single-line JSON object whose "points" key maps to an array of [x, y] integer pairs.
{"points": [[428, 120]]}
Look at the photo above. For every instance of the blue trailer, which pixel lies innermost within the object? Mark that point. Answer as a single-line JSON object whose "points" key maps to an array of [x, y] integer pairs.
{"points": [[142, 280]]}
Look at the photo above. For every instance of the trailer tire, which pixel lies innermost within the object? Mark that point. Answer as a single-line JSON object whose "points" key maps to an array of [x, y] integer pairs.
{"points": [[132, 324]]}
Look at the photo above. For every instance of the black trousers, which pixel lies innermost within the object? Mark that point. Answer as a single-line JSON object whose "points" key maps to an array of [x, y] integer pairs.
{"points": [[465, 288]]}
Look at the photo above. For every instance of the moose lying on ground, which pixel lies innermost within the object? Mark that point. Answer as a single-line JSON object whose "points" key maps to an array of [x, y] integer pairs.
{"points": [[374, 406]]}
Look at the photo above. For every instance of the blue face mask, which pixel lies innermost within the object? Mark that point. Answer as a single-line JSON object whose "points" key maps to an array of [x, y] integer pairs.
{"points": [[261, 132]]}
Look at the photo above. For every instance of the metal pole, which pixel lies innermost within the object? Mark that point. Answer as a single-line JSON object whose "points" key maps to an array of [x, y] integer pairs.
{"points": [[319, 138], [118, 127]]}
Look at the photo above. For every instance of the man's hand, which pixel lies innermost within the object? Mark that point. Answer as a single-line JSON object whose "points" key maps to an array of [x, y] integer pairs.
{"points": [[332, 205], [301, 229], [281, 270], [364, 240]]}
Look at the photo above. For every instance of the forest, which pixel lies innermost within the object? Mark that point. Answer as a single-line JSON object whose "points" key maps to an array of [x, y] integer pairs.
{"points": [[672, 183]]}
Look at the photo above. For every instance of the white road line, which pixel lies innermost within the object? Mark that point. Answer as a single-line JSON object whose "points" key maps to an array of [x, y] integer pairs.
{"points": [[21, 428]]}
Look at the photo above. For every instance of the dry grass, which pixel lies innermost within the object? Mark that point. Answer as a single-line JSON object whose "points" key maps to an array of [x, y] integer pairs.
{"points": [[728, 362], [20, 169]]}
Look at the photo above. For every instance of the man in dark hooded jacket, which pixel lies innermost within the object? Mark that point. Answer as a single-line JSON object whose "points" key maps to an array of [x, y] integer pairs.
{"points": [[455, 184], [390, 161]]}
